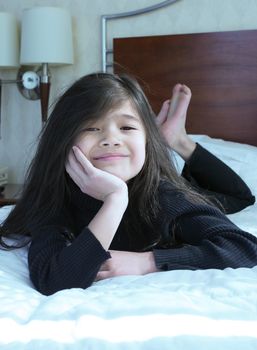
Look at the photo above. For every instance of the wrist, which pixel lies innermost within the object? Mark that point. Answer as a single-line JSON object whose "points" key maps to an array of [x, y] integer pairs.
{"points": [[118, 198], [150, 265], [105, 223]]}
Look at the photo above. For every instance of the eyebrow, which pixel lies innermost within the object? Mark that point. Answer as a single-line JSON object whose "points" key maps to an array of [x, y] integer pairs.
{"points": [[131, 117]]}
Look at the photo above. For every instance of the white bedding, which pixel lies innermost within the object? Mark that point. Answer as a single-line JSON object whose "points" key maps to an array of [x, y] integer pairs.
{"points": [[209, 309]]}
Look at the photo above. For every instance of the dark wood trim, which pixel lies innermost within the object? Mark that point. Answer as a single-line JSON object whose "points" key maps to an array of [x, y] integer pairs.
{"points": [[10, 194]]}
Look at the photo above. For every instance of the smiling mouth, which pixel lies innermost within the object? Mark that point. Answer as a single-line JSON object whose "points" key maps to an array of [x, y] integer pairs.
{"points": [[108, 157]]}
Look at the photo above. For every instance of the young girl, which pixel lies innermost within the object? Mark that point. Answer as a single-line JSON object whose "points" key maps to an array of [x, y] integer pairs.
{"points": [[102, 197]]}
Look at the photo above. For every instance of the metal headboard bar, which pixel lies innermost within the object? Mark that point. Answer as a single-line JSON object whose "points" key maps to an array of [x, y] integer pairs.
{"points": [[106, 18]]}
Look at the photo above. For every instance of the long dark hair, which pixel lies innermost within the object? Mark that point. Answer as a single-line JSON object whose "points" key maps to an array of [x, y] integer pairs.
{"points": [[47, 187]]}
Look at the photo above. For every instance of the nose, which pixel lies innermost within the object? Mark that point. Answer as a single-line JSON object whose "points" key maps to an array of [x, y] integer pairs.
{"points": [[110, 140]]}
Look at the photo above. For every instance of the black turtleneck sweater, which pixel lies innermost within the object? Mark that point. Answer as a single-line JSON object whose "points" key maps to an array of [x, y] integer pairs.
{"points": [[210, 176], [206, 237]]}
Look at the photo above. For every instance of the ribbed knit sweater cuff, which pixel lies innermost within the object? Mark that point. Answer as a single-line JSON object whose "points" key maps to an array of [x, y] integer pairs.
{"points": [[173, 259]]}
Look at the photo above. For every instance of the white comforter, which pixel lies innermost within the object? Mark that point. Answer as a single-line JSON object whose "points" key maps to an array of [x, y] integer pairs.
{"points": [[208, 309]]}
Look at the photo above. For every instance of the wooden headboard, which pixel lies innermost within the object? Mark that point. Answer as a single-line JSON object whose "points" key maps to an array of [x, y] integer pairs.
{"points": [[220, 68]]}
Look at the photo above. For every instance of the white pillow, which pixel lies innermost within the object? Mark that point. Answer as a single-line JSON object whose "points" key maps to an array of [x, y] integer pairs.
{"points": [[4, 212], [242, 158]]}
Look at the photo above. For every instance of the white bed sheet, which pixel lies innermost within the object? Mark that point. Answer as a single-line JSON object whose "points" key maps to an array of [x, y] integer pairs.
{"points": [[205, 309]]}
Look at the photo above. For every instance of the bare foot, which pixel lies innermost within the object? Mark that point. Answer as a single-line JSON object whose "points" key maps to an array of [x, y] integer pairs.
{"points": [[172, 120], [179, 103]]}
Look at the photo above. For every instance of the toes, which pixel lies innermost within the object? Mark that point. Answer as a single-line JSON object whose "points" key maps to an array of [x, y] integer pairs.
{"points": [[186, 89], [177, 88]]}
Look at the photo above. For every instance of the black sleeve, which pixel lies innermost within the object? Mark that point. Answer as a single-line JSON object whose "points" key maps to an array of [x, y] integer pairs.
{"points": [[54, 264], [205, 238], [212, 177]]}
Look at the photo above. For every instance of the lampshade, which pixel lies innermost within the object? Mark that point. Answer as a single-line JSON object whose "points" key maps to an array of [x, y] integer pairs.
{"points": [[9, 41], [46, 36]]}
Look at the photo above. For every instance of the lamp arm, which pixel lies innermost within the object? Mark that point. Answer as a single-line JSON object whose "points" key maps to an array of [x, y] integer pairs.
{"points": [[10, 81], [44, 91]]}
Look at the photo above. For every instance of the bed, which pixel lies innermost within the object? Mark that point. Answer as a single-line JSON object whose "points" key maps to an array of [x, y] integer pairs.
{"points": [[208, 309]]}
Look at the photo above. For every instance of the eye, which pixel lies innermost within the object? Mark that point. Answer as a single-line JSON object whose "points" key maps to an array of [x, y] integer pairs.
{"points": [[91, 129], [128, 128]]}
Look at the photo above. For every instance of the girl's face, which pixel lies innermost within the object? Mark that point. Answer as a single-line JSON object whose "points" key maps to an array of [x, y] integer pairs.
{"points": [[116, 142]]}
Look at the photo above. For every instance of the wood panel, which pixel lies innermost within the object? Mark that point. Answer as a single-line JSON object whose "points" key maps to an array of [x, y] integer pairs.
{"points": [[220, 68]]}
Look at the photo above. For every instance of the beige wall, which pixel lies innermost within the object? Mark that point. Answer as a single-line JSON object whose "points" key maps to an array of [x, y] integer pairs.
{"points": [[21, 118]]}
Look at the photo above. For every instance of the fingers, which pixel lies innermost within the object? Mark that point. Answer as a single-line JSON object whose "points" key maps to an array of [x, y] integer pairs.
{"points": [[78, 164], [105, 266], [78, 167], [71, 164], [104, 271], [102, 275], [83, 161], [73, 167]]}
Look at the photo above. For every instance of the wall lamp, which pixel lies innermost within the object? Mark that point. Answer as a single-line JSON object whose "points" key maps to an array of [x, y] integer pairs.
{"points": [[46, 39]]}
